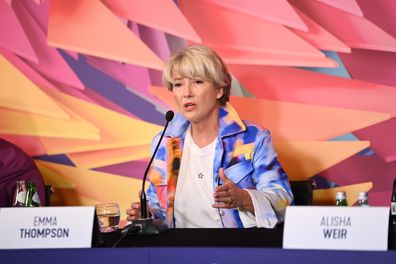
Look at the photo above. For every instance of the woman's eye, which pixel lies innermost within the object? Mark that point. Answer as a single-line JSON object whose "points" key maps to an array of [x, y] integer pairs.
{"points": [[177, 85], [198, 82]]}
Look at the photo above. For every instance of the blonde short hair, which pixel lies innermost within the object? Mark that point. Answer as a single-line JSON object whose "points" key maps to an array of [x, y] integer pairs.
{"points": [[198, 61]]}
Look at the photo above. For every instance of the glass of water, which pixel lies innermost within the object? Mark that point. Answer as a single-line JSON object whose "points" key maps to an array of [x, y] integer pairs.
{"points": [[108, 216]]}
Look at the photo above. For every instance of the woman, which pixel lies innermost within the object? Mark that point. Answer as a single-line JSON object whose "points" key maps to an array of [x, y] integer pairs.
{"points": [[212, 169]]}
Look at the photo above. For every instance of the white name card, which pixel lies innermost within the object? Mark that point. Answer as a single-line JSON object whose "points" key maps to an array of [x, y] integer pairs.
{"points": [[46, 227], [339, 228]]}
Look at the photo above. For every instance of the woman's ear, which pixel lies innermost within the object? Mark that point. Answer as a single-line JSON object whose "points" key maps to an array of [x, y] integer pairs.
{"points": [[220, 93]]}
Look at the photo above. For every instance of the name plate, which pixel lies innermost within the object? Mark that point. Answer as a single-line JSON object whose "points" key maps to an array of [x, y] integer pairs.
{"points": [[46, 227], [338, 228]]}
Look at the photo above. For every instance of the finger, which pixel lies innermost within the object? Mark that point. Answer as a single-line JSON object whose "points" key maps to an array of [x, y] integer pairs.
{"points": [[226, 200], [222, 188], [221, 205], [219, 194], [132, 211], [131, 218], [135, 205], [222, 175]]}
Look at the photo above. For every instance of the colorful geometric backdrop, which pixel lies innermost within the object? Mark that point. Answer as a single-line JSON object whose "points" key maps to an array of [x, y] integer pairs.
{"points": [[81, 87]]}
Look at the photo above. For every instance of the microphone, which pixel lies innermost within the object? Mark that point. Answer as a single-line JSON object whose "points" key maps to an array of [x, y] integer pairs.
{"points": [[149, 226]]}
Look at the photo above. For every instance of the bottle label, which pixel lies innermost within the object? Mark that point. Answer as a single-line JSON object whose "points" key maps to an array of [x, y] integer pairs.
{"points": [[36, 198], [393, 208], [20, 198]]}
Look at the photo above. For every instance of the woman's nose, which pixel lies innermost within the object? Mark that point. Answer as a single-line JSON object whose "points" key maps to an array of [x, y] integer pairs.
{"points": [[187, 91]]}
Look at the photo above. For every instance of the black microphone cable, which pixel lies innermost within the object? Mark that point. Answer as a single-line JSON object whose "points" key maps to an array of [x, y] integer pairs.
{"points": [[128, 230]]}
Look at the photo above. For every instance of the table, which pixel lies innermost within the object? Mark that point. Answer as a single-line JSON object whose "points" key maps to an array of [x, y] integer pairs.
{"points": [[193, 246], [201, 237]]}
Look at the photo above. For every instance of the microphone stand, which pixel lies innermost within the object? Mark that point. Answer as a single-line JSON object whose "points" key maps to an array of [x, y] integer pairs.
{"points": [[148, 225]]}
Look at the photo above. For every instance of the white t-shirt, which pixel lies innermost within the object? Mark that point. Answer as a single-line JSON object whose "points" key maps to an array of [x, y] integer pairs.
{"points": [[194, 189]]}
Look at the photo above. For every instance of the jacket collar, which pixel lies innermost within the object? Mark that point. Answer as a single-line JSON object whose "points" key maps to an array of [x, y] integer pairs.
{"points": [[229, 123]]}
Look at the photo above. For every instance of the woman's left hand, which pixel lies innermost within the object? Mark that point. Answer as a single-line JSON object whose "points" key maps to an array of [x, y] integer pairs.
{"points": [[229, 195]]}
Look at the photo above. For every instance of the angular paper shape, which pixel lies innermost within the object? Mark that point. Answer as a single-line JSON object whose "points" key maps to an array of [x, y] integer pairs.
{"points": [[155, 14], [94, 185], [106, 103], [116, 130], [302, 160], [222, 28], [319, 37], [354, 31], [292, 121], [159, 42], [359, 169], [26, 69], [131, 75], [100, 158], [350, 6], [303, 86], [51, 178], [25, 124], [382, 138], [30, 145], [39, 12], [278, 11], [50, 62], [233, 56], [115, 91], [327, 196], [19, 93], [12, 35], [380, 13], [89, 27], [360, 64], [134, 169]]}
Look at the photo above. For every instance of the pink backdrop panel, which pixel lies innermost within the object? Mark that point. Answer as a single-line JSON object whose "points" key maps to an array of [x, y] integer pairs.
{"points": [[382, 139], [381, 13], [303, 86], [74, 25], [155, 14], [279, 12], [350, 6], [319, 37], [12, 35], [355, 31], [26, 69], [233, 56], [31, 145], [220, 27], [359, 169], [372, 66], [50, 62]]}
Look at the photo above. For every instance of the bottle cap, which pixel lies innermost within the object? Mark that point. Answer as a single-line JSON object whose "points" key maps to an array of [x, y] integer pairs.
{"points": [[362, 196], [340, 195]]}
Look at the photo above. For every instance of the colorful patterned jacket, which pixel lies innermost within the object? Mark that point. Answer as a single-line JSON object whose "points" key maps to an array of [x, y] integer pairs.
{"points": [[243, 150]]}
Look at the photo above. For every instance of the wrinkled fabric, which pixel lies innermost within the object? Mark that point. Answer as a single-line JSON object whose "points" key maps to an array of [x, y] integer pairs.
{"points": [[248, 157], [16, 165]]}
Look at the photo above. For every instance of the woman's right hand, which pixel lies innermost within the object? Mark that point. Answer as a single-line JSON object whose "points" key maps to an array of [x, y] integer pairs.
{"points": [[133, 213]]}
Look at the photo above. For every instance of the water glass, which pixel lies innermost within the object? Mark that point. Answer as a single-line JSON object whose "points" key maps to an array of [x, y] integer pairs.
{"points": [[108, 216]]}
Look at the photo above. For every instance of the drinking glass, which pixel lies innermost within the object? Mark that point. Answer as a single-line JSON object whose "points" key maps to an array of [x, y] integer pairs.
{"points": [[108, 216]]}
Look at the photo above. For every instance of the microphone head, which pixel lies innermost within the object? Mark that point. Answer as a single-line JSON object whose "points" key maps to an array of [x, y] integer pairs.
{"points": [[169, 115]]}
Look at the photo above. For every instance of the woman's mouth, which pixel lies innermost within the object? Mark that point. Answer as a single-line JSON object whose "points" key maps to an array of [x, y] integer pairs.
{"points": [[189, 106]]}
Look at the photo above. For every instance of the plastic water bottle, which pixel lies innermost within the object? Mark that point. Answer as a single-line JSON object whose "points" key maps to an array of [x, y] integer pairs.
{"points": [[363, 199], [341, 199]]}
